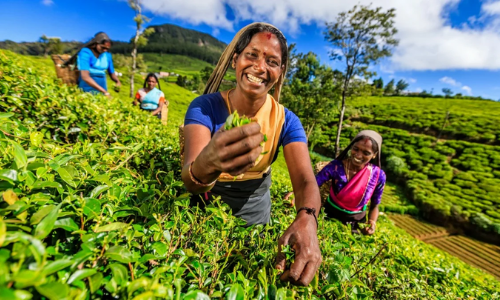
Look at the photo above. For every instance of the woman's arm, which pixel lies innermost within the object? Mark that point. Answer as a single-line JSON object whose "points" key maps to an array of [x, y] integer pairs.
{"points": [[88, 79], [115, 79], [233, 151], [302, 233], [158, 110], [374, 203]]}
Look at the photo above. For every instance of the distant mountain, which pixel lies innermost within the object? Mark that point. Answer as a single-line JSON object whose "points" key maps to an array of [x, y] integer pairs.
{"points": [[174, 39], [167, 39]]}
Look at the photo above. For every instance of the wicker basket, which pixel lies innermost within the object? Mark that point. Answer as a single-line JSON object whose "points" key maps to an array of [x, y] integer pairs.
{"points": [[68, 74], [164, 114], [324, 190]]}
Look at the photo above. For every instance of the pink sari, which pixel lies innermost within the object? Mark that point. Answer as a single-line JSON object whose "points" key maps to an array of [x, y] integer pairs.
{"points": [[352, 195]]}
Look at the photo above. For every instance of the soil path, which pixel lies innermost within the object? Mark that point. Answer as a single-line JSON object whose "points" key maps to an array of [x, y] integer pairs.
{"points": [[473, 252]]}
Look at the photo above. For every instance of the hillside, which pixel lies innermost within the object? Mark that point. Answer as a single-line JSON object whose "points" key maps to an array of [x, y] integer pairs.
{"points": [[167, 39], [172, 39], [100, 212], [455, 179]]}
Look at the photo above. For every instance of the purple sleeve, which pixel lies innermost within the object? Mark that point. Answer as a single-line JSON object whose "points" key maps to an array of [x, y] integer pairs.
{"points": [[379, 189], [325, 174], [293, 130]]}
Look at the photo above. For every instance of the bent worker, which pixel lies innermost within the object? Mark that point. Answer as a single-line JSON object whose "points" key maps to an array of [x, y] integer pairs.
{"points": [[356, 179], [214, 156], [93, 60]]}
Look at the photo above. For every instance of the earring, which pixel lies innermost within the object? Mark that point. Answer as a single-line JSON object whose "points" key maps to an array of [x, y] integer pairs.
{"points": [[233, 65]]}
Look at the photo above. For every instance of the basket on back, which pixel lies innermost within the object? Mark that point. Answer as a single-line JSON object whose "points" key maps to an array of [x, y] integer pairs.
{"points": [[68, 74], [324, 190]]}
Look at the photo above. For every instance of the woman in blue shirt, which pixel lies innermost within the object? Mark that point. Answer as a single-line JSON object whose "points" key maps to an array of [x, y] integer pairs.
{"points": [[93, 61], [235, 164]]}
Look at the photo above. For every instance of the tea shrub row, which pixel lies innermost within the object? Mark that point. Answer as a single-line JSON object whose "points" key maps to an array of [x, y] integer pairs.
{"points": [[92, 207]]}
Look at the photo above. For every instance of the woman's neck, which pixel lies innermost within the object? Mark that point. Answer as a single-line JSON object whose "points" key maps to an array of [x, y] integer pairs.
{"points": [[244, 104], [96, 54], [355, 168]]}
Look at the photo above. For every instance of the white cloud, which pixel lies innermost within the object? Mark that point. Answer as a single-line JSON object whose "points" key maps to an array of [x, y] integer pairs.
{"points": [[427, 41], [47, 2], [453, 82], [418, 90], [467, 89], [491, 8], [450, 81], [412, 80]]}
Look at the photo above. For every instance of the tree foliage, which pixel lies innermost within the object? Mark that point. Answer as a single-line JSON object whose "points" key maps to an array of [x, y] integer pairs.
{"points": [[360, 37], [401, 86], [312, 90], [389, 88]]}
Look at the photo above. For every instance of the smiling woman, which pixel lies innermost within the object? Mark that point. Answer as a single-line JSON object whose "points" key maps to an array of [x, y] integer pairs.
{"points": [[235, 164], [356, 179]]}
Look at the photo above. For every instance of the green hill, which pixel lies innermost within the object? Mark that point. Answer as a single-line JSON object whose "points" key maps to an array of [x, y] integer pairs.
{"points": [[93, 207], [167, 39], [172, 39]]}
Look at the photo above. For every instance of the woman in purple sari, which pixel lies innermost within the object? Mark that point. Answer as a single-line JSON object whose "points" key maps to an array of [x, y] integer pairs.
{"points": [[357, 180]]}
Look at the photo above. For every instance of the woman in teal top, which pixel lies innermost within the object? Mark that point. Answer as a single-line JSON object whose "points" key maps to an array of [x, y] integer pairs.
{"points": [[93, 61]]}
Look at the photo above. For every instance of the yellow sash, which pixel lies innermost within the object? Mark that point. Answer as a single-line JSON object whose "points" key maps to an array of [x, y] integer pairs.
{"points": [[271, 117]]}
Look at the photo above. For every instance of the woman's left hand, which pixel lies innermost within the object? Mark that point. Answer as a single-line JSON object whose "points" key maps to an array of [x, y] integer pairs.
{"points": [[118, 83], [303, 239], [369, 230]]}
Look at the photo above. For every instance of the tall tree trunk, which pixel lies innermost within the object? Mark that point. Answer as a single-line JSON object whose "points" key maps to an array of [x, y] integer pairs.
{"points": [[339, 129], [134, 50], [132, 71]]}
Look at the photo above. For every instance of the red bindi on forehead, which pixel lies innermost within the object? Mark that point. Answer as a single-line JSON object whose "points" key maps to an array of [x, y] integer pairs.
{"points": [[269, 35]]}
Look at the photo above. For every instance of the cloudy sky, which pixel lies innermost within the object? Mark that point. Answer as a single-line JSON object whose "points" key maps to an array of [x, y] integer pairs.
{"points": [[443, 43]]}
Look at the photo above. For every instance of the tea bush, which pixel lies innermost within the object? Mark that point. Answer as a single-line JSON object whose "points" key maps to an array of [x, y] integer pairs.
{"points": [[92, 207]]}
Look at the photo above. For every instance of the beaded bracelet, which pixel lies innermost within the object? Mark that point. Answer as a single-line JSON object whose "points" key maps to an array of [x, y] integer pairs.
{"points": [[196, 181], [310, 211]]}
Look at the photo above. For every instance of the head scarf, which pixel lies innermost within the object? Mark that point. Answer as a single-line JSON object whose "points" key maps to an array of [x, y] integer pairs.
{"points": [[365, 133], [226, 58], [98, 38]]}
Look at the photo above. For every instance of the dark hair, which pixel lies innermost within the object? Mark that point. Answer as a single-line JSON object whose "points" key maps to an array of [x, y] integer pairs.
{"points": [[247, 36], [151, 75], [343, 154]]}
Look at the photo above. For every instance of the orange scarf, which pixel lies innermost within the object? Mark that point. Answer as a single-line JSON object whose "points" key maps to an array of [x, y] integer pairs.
{"points": [[271, 117]]}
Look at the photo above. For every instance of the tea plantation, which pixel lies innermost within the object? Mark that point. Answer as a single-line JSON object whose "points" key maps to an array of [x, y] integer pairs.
{"points": [[452, 181], [92, 207]]}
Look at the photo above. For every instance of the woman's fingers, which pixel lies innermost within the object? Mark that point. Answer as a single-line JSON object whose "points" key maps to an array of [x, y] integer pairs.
{"points": [[242, 147], [228, 137]]}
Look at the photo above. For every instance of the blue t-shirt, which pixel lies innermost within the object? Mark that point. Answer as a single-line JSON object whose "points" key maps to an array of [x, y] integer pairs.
{"points": [[87, 61], [211, 111]]}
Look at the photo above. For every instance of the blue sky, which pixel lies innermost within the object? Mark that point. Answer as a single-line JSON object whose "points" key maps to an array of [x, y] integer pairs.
{"points": [[443, 43]]}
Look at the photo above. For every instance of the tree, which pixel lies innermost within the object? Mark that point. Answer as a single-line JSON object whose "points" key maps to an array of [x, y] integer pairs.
{"points": [[311, 90], [378, 83], [51, 45], [389, 88], [140, 38], [360, 37], [205, 73], [401, 86], [447, 92]]}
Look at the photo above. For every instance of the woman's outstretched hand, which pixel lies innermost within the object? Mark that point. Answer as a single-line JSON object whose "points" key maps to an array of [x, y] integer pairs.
{"points": [[233, 151], [369, 230], [302, 238]]}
